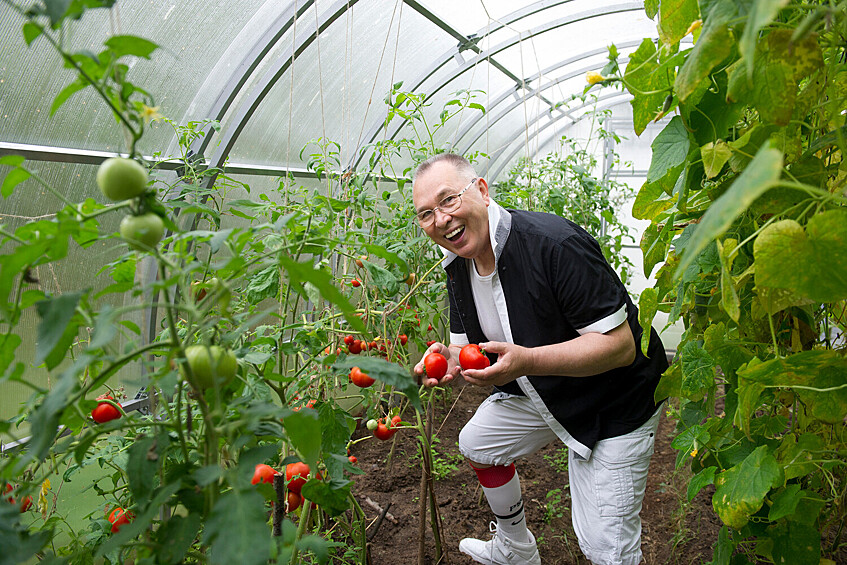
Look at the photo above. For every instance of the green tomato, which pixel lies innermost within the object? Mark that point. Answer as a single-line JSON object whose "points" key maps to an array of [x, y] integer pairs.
{"points": [[142, 232], [120, 178], [210, 364]]}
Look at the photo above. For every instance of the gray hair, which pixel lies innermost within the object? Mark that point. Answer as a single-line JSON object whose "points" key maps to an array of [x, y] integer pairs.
{"points": [[458, 162]]}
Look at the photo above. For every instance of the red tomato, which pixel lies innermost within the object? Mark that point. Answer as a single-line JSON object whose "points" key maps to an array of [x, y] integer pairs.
{"points": [[372, 345], [296, 475], [294, 501], [26, 503], [360, 379], [355, 283], [429, 328], [7, 490], [349, 339], [403, 339], [119, 517], [429, 343], [383, 432], [472, 357], [355, 348], [436, 366], [395, 421], [105, 412], [353, 460], [263, 474]]}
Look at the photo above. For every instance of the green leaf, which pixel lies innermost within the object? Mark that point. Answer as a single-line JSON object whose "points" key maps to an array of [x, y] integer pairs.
{"points": [[655, 246], [8, 344], [701, 480], [724, 548], [175, 537], [122, 45], [729, 298], [390, 373], [56, 10], [237, 529], [713, 46], [785, 502], [651, 7], [740, 491], [670, 384], [798, 544], [336, 427], [303, 428], [141, 467], [715, 155], [31, 32], [13, 179], [642, 76], [647, 306], [819, 378], [315, 544], [333, 501], [761, 174], [650, 200], [675, 16], [797, 454], [762, 13], [817, 256], [55, 314], [698, 371], [691, 438], [389, 256], [670, 149], [382, 278], [66, 93]]}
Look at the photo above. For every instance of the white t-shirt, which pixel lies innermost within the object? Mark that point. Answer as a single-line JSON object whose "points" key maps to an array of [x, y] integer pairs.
{"points": [[486, 309]]}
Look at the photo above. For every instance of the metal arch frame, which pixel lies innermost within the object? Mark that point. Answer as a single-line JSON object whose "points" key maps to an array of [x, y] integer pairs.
{"points": [[268, 81], [521, 100], [485, 55], [619, 98], [239, 76], [531, 91]]}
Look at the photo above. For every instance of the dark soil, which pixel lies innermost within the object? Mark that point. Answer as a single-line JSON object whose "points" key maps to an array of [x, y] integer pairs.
{"points": [[674, 531]]}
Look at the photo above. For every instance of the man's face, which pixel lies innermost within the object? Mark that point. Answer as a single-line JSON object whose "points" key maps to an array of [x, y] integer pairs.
{"points": [[463, 231]]}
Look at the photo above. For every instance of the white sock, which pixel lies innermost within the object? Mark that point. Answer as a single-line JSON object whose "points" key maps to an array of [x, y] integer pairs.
{"points": [[502, 489]]}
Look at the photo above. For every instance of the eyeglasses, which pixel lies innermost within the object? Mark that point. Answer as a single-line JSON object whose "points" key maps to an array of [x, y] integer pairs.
{"points": [[448, 204]]}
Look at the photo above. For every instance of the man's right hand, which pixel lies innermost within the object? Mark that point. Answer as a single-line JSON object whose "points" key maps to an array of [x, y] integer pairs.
{"points": [[453, 368]]}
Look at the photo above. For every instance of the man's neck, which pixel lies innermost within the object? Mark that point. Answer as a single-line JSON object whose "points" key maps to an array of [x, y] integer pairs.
{"points": [[485, 263]]}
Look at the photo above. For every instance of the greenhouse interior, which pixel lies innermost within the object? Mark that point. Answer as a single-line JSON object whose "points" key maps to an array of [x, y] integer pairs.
{"points": [[423, 282]]}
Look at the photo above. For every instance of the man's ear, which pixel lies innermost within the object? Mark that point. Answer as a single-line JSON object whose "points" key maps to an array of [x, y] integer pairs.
{"points": [[482, 186]]}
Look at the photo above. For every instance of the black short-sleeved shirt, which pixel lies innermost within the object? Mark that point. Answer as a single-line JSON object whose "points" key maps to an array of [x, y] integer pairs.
{"points": [[555, 285]]}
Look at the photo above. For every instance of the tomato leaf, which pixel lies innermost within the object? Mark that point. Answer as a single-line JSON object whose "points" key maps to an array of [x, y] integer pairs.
{"points": [[334, 501], [237, 529], [303, 428], [55, 314], [176, 535], [123, 45], [13, 179]]}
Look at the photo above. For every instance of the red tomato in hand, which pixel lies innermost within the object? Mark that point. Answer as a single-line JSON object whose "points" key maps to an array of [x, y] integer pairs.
{"points": [[105, 412], [471, 357], [360, 379], [296, 475], [436, 366], [263, 474]]}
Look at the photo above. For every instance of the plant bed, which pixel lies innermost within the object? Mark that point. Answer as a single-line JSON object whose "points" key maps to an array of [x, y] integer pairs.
{"points": [[673, 532]]}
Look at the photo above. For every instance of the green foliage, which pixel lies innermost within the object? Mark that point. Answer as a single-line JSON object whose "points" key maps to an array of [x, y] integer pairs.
{"points": [[746, 198]]}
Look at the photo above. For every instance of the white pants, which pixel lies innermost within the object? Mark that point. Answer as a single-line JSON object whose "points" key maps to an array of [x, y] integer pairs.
{"points": [[606, 489]]}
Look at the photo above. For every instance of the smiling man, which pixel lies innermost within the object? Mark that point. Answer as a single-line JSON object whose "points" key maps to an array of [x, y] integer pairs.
{"points": [[536, 293]]}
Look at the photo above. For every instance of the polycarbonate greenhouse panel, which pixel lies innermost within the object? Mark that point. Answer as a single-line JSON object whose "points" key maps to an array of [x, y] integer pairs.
{"points": [[339, 83], [33, 76]]}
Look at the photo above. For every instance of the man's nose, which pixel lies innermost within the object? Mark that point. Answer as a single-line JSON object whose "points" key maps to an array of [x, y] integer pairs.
{"points": [[441, 218]]}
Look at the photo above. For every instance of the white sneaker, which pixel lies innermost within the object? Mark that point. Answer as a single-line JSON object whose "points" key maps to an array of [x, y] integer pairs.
{"points": [[500, 550]]}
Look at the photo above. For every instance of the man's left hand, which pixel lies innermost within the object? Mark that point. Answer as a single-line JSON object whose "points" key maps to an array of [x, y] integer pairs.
{"points": [[513, 361]]}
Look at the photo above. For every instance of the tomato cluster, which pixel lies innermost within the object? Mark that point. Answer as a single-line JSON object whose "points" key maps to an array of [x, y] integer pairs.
{"points": [[386, 429]]}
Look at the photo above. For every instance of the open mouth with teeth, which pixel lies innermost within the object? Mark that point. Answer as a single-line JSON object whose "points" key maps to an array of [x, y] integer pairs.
{"points": [[455, 234]]}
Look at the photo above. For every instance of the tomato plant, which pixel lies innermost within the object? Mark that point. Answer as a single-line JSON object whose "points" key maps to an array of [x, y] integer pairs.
{"points": [[472, 357]]}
